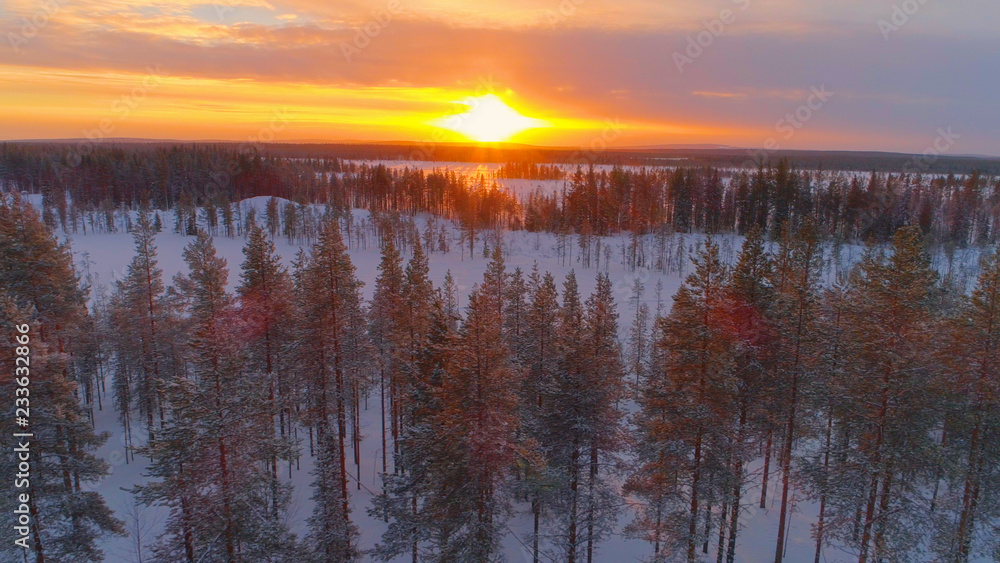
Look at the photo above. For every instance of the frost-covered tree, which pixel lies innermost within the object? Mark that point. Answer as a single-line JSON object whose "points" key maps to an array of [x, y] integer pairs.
{"points": [[265, 305], [211, 462], [420, 520], [891, 369], [970, 513], [39, 288], [137, 317], [329, 297], [385, 320], [603, 391], [540, 362], [638, 334], [749, 296], [579, 383], [683, 420], [794, 316]]}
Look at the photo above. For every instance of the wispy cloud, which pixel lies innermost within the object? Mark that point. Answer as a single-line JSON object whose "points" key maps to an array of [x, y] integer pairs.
{"points": [[602, 59]]}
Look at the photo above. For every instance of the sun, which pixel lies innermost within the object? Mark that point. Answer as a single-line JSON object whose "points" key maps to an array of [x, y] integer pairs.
{"points": [[487, 119]]}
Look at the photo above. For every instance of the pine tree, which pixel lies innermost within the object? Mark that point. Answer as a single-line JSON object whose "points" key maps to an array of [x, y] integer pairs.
{"points": [[972, 360], [638, 333], [604, 388], [579, 384], [449, 295], [795, 315], [272, 218], [137, 316], [420, 520], [823, 475], [415, 315], [515, 314], [329, 293], [563, 424], [39, 288], [384, 323], [541, 362], [211, 462], [472, 417], [685, 406], [750, 297], [891, 326], [415, 320], [265, 298], [478, 426]]}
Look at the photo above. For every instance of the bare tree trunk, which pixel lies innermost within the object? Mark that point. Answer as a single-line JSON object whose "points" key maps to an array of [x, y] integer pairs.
{"points": [[822, 495], [720, 549], [767, 465], [590, 502], [970, 494], [574, 460], [693, 519]]}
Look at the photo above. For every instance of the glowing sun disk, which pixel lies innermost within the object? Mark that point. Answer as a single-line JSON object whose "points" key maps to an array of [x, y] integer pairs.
{"points": [[488, 119]]}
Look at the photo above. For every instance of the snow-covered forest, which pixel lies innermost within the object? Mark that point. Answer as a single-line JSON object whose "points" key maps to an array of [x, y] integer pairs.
{"points": [[721, 366]]}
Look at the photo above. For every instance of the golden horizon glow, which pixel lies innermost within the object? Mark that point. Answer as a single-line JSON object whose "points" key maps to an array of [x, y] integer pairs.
{"points": [[67, 104], [488, 119]]}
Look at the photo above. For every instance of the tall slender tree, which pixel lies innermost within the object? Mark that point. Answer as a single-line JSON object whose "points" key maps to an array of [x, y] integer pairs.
{"points": [[40, 292], [138, 312], [892, 325], [211, 464], [265, 299], [329, 292], [684, 404], [972, 360], [794, 312]]}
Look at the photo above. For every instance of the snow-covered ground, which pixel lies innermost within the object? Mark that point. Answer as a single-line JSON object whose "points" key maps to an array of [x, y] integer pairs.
{"points": [[106, 256]]}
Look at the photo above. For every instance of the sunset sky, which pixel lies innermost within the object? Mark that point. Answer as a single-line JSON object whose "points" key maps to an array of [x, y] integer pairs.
{"points": [[547, 72]]}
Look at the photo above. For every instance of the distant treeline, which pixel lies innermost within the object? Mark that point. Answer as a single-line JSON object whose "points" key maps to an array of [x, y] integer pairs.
{"points": [[507, 153], [957, 209], [961, 210]]}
